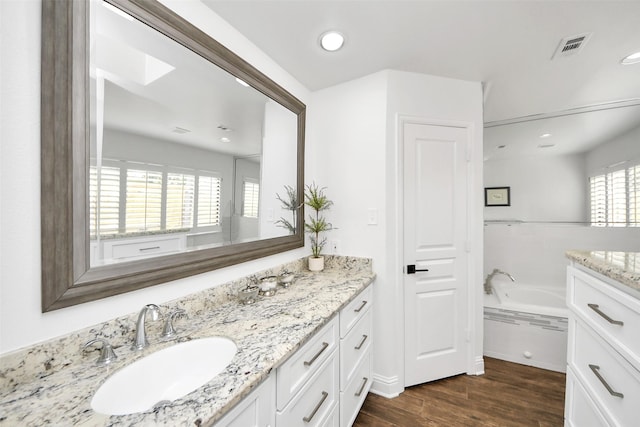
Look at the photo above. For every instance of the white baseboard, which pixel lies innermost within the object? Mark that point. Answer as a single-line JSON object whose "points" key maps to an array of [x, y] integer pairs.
{"points": [[388, 387], [477, 367]]}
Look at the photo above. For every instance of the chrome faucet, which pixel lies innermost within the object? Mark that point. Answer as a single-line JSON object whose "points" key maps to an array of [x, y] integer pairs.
{"points": [[488, 287], [141, 337]]}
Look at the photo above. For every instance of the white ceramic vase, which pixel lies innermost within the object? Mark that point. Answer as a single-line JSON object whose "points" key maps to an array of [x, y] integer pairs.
{"points": [[316, 263]]}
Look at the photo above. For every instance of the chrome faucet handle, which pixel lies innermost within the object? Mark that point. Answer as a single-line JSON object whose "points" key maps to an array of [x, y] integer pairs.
{"points": [[168, 331], [107, 355]]}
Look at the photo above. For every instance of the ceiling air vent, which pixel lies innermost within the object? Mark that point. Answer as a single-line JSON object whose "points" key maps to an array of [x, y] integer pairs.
{"points": [[571, 45]]}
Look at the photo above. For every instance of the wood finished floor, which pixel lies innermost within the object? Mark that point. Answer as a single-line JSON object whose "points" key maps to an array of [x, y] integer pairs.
{"points": [[507, 395]]}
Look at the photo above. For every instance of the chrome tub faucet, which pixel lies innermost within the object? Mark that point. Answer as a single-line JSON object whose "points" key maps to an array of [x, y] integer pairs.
{"points": [[488, 287]]}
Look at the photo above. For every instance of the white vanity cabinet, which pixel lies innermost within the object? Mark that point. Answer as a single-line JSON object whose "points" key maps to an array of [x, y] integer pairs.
{"points": [[323, 384], [603, 357], [307, 383], [258, 409], [355, 355]]}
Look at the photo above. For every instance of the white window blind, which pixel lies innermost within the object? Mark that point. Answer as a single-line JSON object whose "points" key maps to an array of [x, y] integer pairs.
{"points": [[180, 198], [106, 219], [250, 198], [208, 201], [143, 200], [614, 198]]}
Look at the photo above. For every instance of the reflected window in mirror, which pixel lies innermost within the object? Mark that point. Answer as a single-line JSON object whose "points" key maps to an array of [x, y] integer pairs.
{"points": [[615, 198], [147, 138]]}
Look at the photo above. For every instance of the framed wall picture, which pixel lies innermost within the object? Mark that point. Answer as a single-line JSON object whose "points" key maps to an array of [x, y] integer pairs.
{"points": [[497, 196]]}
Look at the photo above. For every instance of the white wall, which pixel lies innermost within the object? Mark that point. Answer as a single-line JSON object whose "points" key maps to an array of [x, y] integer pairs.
{"points": [[545, 188], [21, 321], [278, 150], [353, 134], [623, 147]]}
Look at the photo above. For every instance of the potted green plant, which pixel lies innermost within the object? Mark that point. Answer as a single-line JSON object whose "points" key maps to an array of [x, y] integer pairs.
{"points": [[315, 198], [290, 203]]}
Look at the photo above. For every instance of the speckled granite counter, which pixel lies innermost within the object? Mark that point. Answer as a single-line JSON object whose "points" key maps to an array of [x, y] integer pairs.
{"points": [[52, 383], [623, 267]]}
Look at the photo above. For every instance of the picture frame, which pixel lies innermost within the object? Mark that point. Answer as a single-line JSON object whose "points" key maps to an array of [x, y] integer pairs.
{"points": [[497, 196]]}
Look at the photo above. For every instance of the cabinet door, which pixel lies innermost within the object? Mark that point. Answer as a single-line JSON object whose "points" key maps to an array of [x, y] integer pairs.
{"points": [[352, 398], [303, 364], [580, 410], [256, 410], [353, 349], [314, 403]]}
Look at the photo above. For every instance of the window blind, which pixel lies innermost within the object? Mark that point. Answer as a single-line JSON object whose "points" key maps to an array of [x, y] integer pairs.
{"points": [[615, 199], [106, 219], [250, 199], [180, 198], [208, 201], [143, 210]]}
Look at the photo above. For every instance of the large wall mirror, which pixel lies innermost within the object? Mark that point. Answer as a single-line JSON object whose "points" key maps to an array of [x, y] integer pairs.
{"points": [[550, 159], [163, 153]]}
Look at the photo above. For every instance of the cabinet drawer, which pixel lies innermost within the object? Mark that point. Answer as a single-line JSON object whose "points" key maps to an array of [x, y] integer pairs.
{"points": [[353, 348], [610, 379], [132, 248], [353, 396], [294, 373], [580, 410], [314, 404], [595, 301], [350, 315], [333, 420]]}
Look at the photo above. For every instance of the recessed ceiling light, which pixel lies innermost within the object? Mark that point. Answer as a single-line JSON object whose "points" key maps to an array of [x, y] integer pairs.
{"points": [[500, 147], [546, 145], [242, 82], [225, 139], [331, 41], [545, 135], [634, 58]]}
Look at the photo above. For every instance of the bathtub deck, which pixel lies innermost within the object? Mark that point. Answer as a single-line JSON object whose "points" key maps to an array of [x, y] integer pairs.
{"points": [[508, 394]]}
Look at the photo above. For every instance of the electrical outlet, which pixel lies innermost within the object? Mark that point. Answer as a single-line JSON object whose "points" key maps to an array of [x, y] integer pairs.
{"points": [[335, 246]]}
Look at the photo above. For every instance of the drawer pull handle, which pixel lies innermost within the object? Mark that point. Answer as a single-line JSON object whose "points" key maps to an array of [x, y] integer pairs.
{"points": [[596, 308], [359, 346], [364, 383], [359, 309], [595, 369], [313, 414], [313, 359], [149, 249]]}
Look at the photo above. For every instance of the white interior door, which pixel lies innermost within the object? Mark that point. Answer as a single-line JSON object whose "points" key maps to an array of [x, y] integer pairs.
{"points": [[435, 242]]}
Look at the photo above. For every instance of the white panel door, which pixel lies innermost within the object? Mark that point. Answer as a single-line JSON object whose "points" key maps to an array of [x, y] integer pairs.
{"points": [[435, 241]]}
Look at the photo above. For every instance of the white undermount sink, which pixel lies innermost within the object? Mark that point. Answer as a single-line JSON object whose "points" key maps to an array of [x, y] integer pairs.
{"points": [[163, 376]]}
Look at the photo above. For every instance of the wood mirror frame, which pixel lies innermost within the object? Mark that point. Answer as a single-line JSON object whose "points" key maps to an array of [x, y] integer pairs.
{"points": [[67, 278]]}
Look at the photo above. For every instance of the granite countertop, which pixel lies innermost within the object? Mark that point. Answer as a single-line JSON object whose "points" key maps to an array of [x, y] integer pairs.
{"points": [[53, 383], [623, 267]]}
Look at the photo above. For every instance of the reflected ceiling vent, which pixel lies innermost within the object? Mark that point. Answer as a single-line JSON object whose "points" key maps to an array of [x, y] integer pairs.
{"points": [[180, 130], [571, 45]]}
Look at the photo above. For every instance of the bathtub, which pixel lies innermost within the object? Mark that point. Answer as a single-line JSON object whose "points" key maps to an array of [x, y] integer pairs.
{"points": [[526, 324]]}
